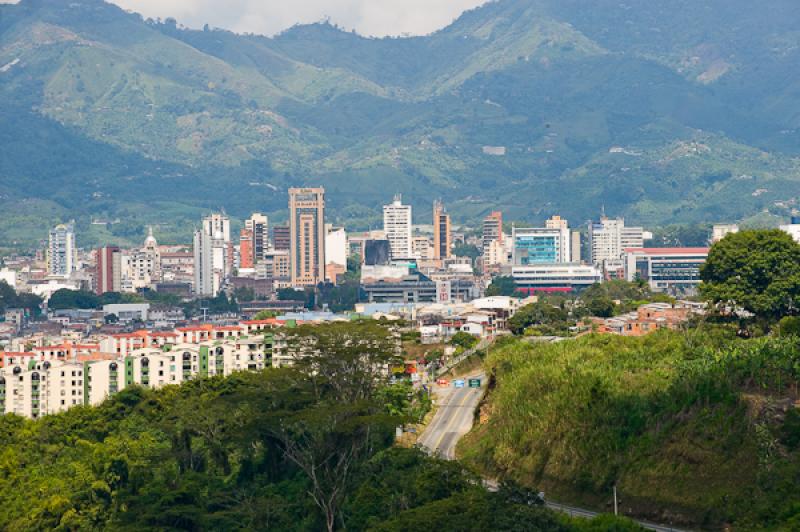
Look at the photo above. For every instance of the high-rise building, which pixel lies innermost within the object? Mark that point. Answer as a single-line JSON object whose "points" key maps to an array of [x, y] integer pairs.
{"points": [[281, 238], [62, 255], [495, 254], [421, 248], [492, 230], [540, 246], [442, 238], [213, 255], [246, 255], [307, 235], [258, 225], [609, 238], [108, 272], [397, 226], [576, 247], [335, 252]]}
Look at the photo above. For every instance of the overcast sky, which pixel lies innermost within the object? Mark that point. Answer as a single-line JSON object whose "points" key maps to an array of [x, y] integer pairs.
{"points": [[368, 17]]}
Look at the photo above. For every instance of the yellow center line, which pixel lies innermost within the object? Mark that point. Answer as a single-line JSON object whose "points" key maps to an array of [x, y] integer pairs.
{"points": [[452, 420]]}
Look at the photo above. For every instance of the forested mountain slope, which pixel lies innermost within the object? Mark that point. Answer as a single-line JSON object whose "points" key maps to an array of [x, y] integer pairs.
{"points": [[664, 112]]}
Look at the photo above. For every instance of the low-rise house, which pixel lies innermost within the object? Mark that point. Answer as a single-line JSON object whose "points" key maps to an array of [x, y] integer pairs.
{"points": [[646, 319]]}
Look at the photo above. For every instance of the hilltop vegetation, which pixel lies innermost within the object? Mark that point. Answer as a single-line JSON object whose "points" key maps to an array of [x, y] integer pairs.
{"points": [[697, 428], [288, 449], [660, 112]]}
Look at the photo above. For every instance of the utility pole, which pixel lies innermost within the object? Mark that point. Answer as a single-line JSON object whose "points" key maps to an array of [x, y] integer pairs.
{"points": [[616, 506]]}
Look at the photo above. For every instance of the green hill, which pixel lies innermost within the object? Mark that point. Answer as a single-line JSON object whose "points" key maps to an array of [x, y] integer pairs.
{"points": [[665, 113], [693, 429]]}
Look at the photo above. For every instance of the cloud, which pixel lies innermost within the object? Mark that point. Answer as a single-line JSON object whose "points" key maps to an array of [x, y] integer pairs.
{"points": [[368, 17]]}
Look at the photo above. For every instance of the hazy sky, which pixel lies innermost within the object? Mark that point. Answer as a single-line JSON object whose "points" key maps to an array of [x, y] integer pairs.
{"points": [[368, 17]]}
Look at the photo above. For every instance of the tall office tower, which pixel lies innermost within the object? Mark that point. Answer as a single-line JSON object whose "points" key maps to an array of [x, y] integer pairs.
{"points": [[609, 238], [492, 230], [557, 223], [62, 256], [540, 246], [576, 247], [307, 235], [258, 225], [108, 272], [213, 255], [247, 258], [442, 239], [281, 238], [397, 226]]}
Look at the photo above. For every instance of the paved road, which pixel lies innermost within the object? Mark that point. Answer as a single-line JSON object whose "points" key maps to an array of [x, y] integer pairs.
{"points": [[588, 514], [453, 419]]}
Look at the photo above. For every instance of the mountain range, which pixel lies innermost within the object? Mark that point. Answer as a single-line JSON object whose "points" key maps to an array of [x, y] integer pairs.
{"points": [[668, 112]]}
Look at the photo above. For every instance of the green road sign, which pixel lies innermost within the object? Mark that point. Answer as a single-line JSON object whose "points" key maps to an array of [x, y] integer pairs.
{"points": [[474, 383]]}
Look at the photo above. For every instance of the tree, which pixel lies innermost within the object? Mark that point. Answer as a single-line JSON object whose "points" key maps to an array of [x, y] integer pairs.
{"points": [[346, 364], [462, 249], [503, 286], [463, 340], [601, 307], [758, 271], [539, 313], [265, 315], [73, 299], [11, 299]]}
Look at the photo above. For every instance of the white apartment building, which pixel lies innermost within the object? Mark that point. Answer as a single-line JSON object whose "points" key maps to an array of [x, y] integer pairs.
{"points": [[397, 226], [40, 388], [609, 238], [62, 255], [213, 255], [335, 252]]}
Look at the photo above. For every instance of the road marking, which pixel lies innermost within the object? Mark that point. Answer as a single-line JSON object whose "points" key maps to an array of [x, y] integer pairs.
{"points": [[455, 417]]}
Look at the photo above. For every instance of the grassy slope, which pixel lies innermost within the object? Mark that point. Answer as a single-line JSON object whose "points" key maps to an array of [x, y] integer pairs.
{"points": [[691, 435]]}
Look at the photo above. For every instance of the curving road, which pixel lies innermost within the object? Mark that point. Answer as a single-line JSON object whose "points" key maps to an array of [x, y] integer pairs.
{"points": [[453, 419]]}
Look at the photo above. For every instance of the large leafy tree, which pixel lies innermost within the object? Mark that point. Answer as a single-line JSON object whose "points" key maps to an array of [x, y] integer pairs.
{"points": [[503, 286], [758, 271]]}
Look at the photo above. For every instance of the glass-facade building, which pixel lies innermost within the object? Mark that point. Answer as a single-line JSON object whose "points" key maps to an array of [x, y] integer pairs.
{"points": [[540, 246]]}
